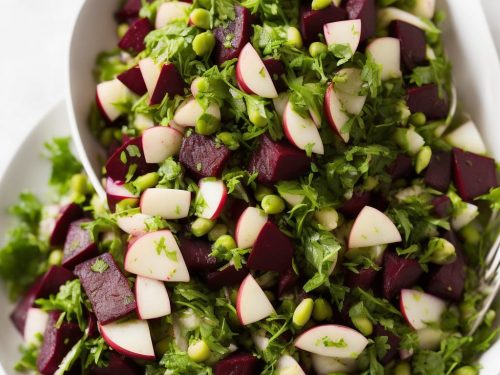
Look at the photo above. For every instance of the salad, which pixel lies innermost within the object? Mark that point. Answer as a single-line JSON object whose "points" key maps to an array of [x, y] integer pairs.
{"points": [[289, 191]]}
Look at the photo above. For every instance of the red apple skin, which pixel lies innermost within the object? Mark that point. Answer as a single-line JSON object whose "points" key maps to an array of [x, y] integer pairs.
{"points": [[237, 228], [123, 351], [66, 216], [221, 205], [288, 135], [329, 115], [239, 78], [101, 109], [238, 299]]}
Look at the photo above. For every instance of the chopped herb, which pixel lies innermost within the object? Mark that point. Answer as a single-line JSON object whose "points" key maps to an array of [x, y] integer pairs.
{"points": [[99, 266]]}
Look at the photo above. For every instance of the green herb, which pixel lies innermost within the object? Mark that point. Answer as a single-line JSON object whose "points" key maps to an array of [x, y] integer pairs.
{"points": [[372, 76], [29, 356], [64, 164], [327, 342], [161, 247], [493, 196], [28, 210], [133, 151], [342, 52], [99, 266]]}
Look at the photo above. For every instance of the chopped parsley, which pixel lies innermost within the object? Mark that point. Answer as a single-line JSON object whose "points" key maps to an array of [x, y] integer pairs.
{"points": [[99, 266]]}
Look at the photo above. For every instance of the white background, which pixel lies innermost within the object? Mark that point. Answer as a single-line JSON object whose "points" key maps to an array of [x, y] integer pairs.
{"points": [[34, 36]]}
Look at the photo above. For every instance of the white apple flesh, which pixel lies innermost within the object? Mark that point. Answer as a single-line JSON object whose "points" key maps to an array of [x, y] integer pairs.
{"points": [[372, 227], [189, 111], [386, 52], [170, 204], [302, 132], [152, 298], [336, 113], [248, 227], [160, 142], [348, 92], [171, 11], [212, 196], [36, 323], [150, 73], [108, 94], [131, 338], [463, 216], [327, 365], [287, 365], [386, 15], [424, 8], [420, 309], [252, 303], [280, 104], [343, 33], [134, 225], [467, 137]]}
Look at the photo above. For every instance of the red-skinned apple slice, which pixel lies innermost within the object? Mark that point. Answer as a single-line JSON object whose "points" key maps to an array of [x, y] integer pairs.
{"points": [[326, 365], [152, 298], [343, 32], [348, 91], [420, 309], [107, 95], [248, 227], [280, 104], [170, 204], [160, 142], [36, 322], [130, 338], [302, 132], [252, 303], [252, 75], [287, 365], [171, 11], [386, 52], [335, 113], [189, 111], [156, 255], [372, 227], [134, 224], [160, 80], [213, 194], [116, 192], [325, 339]]}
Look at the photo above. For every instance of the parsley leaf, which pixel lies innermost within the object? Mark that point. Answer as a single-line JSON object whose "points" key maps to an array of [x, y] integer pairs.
{"points": [[64, 164]]}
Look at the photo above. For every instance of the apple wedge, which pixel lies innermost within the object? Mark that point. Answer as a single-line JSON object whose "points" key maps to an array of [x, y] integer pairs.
{"points": [[302, 132], [116, 192], [170, 204], [160, 80], [252, 74], [252, 303], [248, 227], [152, 298], [420, 309], [467, 137], [190, 110], [130, 338], [327, 365], [332, 341], [280, 103], [336, 113], [133, 224], [386, 15], [36, 322], [372, 227], [108, 95], [287, 365], [463, 216], [211, 198], [171, 11], [156, 256], [160, 142], [343, 32], [348, 92], [387, 53], [142, 122], [424, 8]]}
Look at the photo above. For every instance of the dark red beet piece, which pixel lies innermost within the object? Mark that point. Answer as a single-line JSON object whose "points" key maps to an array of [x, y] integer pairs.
{"points": [[426, 99], [116, 365], [42, 288], [352, 207], [79, 245], [57, 342], [202, 156], [399, 273], [227, 276], [276, 70], [132, 78], [438, 173], [129, 11], [169, 83], [196, 254], [92, 327], [392, 340], [363, 279], [235, 207], [287, 281], [412, 43], [65, 217], [272, 251], [312, 21], [108, 291], [238, 31], [133, 40], [442, 206], [474, 174], [118, 170], [277, 161], [366, 11], [400, 167], [238, 364]]}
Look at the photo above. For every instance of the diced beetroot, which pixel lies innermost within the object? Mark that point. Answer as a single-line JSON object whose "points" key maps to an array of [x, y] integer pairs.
{"points": [[65, 217], [57, 342], [116, 365], [426, 99], [474, 174], [238, 364], [169, 83], [132, 78], [400, 167], [133, 40], [399, 273], [277, 161], [196, 254], [237, 31], [79, 245], [227, 276], [442, 206], [92, 325], [366, 11], [392, 340], [272, 251], [235, 207], [438, 173], [363, 279], [42, 288], [202, 156], [276, 70], [287, 281], [312, 21], [412, 43], [352, 207], [129, 11], [108, 290], [118, 170]]}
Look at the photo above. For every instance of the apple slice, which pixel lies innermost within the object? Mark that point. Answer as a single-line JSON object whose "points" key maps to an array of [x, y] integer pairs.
{"points": [[133, 224], [280, 104], [420, 309], [143, 122], [152, 298], [429, 338], [327, 365], [157, 256], [248, 227], [169, 204], [386, 15], [108, 94], [372, 228], [348, 91], [171, 11], [332, 341], [467, 138], [160, 142], [343, 32], [36, 322], [116, 192], [211, 198], [130, 338], [424, 8], [463, 216], [302, 132], [189, 111], [287, 365], [386, 52], [336, 113], [252, 74], [252, 303], [260, 340], [160, 80]]}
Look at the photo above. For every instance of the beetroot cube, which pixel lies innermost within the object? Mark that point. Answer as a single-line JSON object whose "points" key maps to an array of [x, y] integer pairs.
{"points": [[196, 254], [399, 273], [365, 11], [129, 11], [108, 290], [235, 207], [473, 174], [116, 365], [426, 99], [129, 160], [353, 206], [238, 364], [392, 340], [438, 173], [400, 167], [276, 70], [412, 43], [442, 206], [134, 81], [277, 161], [228, 276], [65, 217], [363, 279], [79, 245], [287, 281], [169, 83], [133, 40], [312, 21], [57, 342], [236, 32]]}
